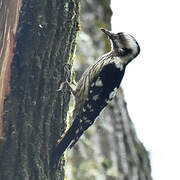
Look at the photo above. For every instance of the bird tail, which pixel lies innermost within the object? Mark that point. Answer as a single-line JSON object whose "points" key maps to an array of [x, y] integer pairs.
{"points": [[63, 144]]}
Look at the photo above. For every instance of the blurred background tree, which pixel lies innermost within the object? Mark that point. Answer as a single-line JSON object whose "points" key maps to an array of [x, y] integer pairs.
{"points": [[110, 149]]}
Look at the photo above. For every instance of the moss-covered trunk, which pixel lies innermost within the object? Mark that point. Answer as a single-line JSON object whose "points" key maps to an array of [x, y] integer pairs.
{"points": [[33, 112]]}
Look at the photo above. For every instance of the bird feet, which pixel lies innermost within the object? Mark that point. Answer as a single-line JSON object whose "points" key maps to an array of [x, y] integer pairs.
{"points": [[69, 73], [63, 86], [66, 86]]}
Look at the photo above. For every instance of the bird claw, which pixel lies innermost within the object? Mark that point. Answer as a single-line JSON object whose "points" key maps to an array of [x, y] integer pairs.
{"points": [[62, 87]]}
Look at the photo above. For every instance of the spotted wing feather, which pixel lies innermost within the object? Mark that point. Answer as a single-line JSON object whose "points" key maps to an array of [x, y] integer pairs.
{"points": [[99, 95]]}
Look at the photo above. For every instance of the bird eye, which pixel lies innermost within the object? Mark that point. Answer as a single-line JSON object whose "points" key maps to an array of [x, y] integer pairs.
{"points": [[119, 33], [126, 51]]}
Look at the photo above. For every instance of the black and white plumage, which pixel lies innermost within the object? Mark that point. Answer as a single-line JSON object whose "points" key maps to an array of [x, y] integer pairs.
{"points": [[97, 87]]}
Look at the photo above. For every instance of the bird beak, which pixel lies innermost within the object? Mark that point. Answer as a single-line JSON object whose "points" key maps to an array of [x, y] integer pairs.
{"points": [[108, 33]]}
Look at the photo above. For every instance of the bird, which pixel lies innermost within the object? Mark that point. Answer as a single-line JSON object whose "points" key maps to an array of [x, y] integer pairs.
{"points": [[96, 88]]}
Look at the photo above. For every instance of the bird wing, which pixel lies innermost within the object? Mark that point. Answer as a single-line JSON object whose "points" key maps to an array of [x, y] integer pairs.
{"points": [[102, 89]]}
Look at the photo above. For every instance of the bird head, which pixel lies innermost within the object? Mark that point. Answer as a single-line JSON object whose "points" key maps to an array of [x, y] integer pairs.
{"points": [[124, 45]]}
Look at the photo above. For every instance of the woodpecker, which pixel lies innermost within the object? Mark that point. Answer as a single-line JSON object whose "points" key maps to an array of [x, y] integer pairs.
{"points": [[96, 88]]}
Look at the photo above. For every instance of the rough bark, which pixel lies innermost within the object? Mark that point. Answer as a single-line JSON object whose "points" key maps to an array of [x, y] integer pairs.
{"points": [[9, 15], [33, 57], [110, 149]]}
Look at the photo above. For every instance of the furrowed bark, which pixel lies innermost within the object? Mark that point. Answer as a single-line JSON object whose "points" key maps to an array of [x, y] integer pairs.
{"points": [[34, 113]]}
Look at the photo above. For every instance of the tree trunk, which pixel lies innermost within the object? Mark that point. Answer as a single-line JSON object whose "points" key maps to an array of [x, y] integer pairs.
{"points": [[35, 47], [110, 149]]}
